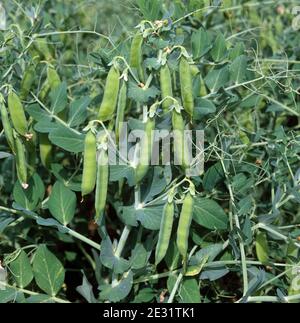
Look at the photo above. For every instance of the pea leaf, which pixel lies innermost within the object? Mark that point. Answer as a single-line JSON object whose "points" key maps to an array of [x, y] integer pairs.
{"points": [[238, 69], [190, 291], [217, 78], [67, 139], [62, 203], [48, 271], [142, 95], [219, 50], [150, 217], [209, 214], [262, 248], [202, 108], [59, 98], [21, 270], [30, 197], [119, 291], [201, 42], [78, 111]]}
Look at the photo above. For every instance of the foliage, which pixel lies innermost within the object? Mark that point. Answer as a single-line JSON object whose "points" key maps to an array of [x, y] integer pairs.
{"points": [[243, 240]]}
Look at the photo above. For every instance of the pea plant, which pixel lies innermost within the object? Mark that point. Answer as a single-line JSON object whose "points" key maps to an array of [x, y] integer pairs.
{"points": [[156, 163]]}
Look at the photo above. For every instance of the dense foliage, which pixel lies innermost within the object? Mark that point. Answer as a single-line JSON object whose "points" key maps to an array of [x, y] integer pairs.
{"points": [[75, 228]]}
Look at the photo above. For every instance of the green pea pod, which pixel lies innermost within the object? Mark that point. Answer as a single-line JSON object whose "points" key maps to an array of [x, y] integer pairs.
{"points": [[30, 146], [27, 82], [180, 147], [145, 151], [53, 78], [136, 55], [184, 224], [121, 110], [8, 131], [110, 97], [21, 162], [102, 183], [89, 164], [186, 85], [166, 87], [44, 91], [45, 150], [164, 232], [17, 114], [43, 49]]}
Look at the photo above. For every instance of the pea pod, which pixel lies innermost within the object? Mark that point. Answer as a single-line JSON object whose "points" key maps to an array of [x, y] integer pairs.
{"points": [[17, 114], [136, 55], [102, 183], [8, 131], [53, 78], [145, 151], [164, 232], [186, 85], [27, 82], [180, 147], [110, 97], [184, 224], [121, 109], [30, 146], [45, 150], [43, 49], [21, 162], [89, 164], [166, 87]]}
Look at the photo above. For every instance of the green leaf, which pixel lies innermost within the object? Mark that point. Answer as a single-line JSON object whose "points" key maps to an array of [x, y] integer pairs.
{"points": [[45, 126], [139, 256], [262, 248], [21, 270], [67, 177], [219, 50], [38, 113], [142, 95], [150, 9], [117, 172], [119, 291], [78, 111], [5, 221], [59, 98], [202, 108], [150, 217], [62, 203], [48, 271], [238, 69], [213, 176], [145, 295], [209, 214], [239, 49], [201, 43], [190, 291], [30, 197], [109, 259], [7, 295], [217, 78], [67, 139], [86, 290]]}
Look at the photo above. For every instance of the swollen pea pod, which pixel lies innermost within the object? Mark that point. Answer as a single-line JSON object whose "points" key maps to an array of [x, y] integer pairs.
{"points": [[21, 162], [186, 85], [17, 114], [180, 147], [43, 49], [45, 150], [121, 110], [165, 231], [102, 183], [110, 97], [8, 130], [146, 146], [136, 55], [53, 78], [89, 164], [27, 82], [30, 146], [184, 224], [166, 87]]}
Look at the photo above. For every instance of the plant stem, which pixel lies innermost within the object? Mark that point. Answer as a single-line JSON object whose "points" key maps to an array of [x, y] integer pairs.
{"points": [[28, 292], [272, 299]]}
